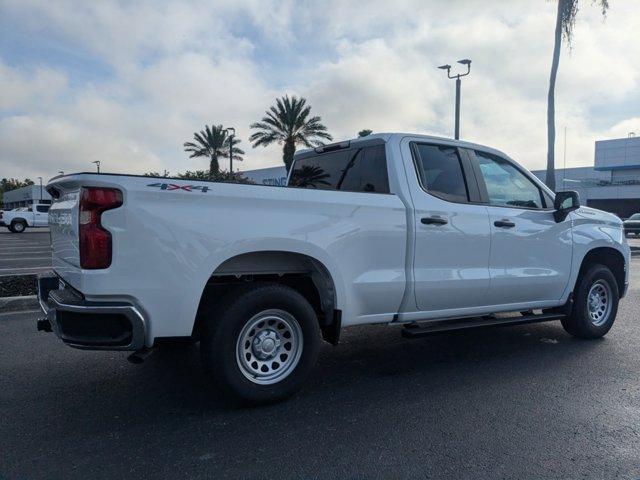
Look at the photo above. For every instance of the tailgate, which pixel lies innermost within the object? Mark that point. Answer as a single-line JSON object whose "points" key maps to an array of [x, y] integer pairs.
{"points": [[63, 223]]}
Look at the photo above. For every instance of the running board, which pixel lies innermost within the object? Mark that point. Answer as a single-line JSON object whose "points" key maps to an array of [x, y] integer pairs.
{"points": [[415, 330]]}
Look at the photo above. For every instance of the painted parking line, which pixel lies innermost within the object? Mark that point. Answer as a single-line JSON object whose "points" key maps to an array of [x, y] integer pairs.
{"points": [[24, 245], [23, 259], [24, 250], [24, 254], [5, 272], [11, 251], [26, 242], [11, 248]]}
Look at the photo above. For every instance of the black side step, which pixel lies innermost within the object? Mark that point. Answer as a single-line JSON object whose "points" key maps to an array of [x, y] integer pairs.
{"points": [[416, 330]]}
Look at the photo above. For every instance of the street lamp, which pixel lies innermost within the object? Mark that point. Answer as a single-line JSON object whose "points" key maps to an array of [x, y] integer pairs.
{"points": [[40, 178], [447, 67], [97, 162], [231, 132]]}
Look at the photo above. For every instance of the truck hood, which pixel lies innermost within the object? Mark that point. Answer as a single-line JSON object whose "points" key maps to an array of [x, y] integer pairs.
{"points": [[598, 216]]}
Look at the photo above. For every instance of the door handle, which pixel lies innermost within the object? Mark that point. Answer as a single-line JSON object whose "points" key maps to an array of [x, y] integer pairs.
{"points": [[504, 223], [434, 220]]}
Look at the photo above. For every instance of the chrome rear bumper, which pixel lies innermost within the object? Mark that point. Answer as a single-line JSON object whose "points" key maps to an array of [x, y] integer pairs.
{"points": [[89, 325]]}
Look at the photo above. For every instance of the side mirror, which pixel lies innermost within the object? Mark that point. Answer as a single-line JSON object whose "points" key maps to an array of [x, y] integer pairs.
{"points": [[564, 203]]}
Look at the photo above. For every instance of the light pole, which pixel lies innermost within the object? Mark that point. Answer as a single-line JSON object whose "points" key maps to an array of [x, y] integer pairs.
{"points": [[40, 178], [231, 132], [447, 67], [97, 162]]}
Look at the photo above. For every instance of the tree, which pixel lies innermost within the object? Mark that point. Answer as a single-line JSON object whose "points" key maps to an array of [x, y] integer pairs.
{"points": [[365, 132], [213, 143], [565, 21], [8, 184], [310, 176], [289, 124], [222, 176]]}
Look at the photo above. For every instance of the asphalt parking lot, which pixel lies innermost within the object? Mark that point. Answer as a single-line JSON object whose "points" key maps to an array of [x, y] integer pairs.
{"points": [[513, 402], [24, 253]]}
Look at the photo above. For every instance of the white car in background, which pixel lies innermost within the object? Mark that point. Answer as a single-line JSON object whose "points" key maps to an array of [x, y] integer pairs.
{"points": [[19, 219]]}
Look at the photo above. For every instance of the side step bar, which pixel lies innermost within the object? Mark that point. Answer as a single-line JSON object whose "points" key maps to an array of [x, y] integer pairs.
{"points": [[416, 330]]}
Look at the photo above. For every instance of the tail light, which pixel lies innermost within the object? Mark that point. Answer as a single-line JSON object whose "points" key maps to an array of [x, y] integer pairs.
{"points": [[95, 241]]}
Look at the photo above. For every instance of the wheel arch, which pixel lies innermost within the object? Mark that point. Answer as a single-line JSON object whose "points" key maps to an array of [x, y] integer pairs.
{"points": [[304, 273], [611, 258]]}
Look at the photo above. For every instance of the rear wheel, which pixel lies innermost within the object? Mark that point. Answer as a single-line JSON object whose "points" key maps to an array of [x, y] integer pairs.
{"points": [[261, 343], [595, 304], [18, 226]]}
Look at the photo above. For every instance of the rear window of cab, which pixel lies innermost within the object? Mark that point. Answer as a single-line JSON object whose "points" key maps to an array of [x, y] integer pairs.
{"points": [[351, 170]]}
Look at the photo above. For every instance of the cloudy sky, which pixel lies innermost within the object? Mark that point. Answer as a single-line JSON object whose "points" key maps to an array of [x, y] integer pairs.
{"points": [[127, 83]]}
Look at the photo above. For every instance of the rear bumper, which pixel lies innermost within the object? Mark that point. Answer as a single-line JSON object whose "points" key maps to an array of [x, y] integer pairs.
{"points": [[90, 325]]}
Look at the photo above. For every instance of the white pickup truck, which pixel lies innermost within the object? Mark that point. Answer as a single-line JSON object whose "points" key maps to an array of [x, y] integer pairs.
{"points": [[35, 215], [430, 233]]}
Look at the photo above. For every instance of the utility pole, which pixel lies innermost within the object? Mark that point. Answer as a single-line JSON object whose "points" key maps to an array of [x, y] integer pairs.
{"points": [[447, 67], [564, 156], [40, 189], [232, 133], [97, 162]]}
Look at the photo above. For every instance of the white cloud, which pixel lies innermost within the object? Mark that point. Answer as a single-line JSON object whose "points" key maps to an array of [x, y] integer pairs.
{"points": [[158, 71], [21, 89], [30, 142]]}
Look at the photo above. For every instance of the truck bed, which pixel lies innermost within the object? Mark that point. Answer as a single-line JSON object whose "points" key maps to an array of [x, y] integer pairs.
{"points": [[170, 236]]}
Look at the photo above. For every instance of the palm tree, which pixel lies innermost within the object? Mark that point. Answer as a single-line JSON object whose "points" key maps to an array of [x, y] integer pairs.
{"points": [[213, 142], [565, 21], [310, 176], [288, 123], [365, 132]]}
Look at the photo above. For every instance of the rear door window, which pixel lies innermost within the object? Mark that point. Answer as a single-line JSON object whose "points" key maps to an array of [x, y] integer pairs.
{"points": [[440, 171], [352, 170]]}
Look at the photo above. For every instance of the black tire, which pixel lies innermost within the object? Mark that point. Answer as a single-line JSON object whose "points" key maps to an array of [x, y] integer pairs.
{"points": [[18, 226], [221, 348], [580, 322]]}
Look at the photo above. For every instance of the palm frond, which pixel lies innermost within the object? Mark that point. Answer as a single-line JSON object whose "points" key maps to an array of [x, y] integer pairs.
{"points": [[289, 121]]}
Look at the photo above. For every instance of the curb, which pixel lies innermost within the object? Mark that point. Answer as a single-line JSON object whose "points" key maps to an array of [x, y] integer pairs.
{"points": [[14, 304]]}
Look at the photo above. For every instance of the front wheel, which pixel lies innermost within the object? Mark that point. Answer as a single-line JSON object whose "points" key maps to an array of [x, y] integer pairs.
{"points": [[595, 304], [261, 343]]}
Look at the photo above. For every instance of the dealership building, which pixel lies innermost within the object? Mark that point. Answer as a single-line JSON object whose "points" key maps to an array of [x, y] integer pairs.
{"points": [[272, 176], [25, 196], [611, 184]]}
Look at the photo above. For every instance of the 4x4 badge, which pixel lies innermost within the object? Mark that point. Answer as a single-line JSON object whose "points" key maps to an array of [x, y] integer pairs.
{"points": [[173, 186]]}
